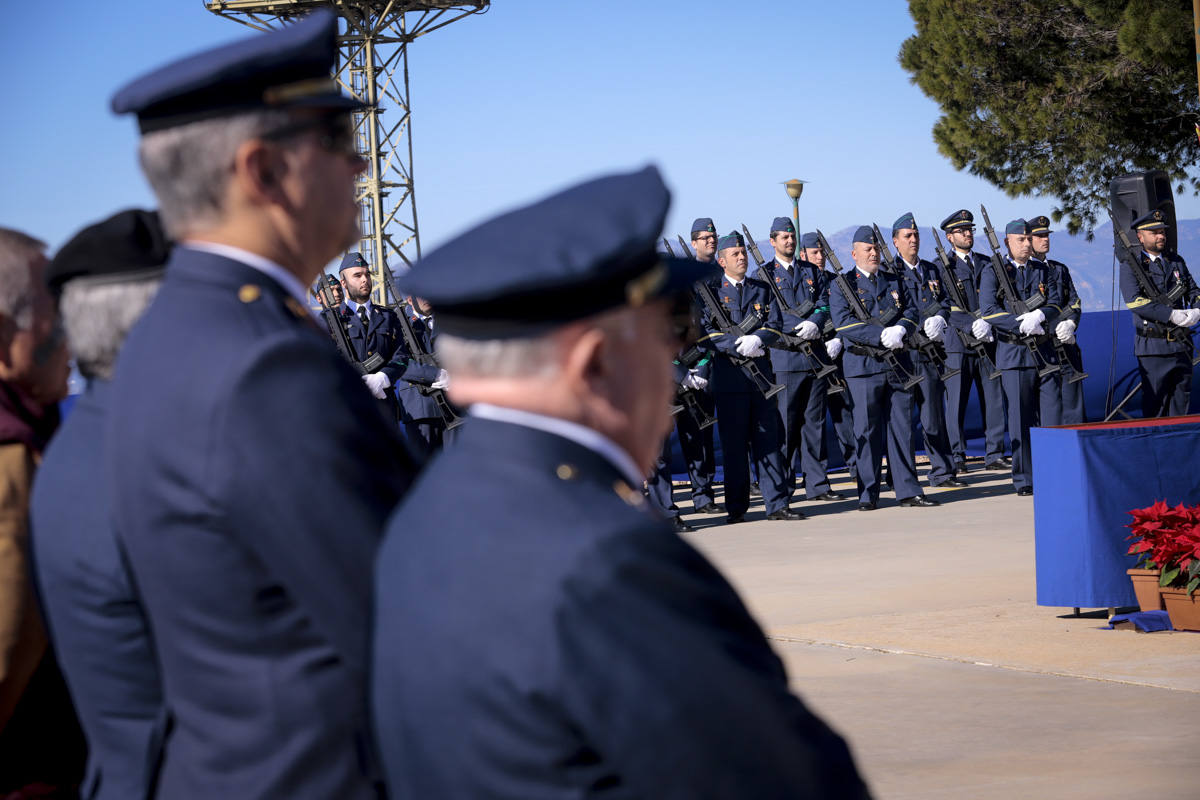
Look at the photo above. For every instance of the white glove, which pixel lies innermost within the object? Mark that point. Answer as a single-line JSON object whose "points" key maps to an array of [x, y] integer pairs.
{"points": [[1180, 317], [982, 329], [934, 328], [377, 382], [1194, 318], [807, 330], [442, 380], [1065, 331], [892, 338], [694, 380], [833, 348], [750, 346], [1031, 322]]}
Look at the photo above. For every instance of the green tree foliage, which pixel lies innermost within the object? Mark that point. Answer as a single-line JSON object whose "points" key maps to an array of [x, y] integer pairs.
{"points": [[1057, 97]]}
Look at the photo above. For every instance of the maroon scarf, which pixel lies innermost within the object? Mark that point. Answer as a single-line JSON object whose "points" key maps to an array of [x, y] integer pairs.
{"points": [[24, 420]]}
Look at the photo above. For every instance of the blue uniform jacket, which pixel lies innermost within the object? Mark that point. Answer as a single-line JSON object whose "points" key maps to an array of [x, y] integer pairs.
{"points": [[1151, 316], [965, 274], [415, 405], [727, 378], [879, 293], [91, 607], [381, 334], [1034, 277], [250, 474], [554, 639], [802, 283], [927, 292], [1072, 306]]}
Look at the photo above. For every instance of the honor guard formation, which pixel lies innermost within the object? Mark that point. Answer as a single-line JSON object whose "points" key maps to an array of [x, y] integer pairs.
{"points": [[429, 550]]}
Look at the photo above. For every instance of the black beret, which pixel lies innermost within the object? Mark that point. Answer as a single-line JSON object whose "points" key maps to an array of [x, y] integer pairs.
{"points": [[131, 243]]}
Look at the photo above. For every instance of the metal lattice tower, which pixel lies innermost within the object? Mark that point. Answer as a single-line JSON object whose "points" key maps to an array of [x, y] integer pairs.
{"points": [[373, 66]]}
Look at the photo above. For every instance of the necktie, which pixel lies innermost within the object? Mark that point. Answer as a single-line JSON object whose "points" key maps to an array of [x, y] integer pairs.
{"points": [[739, 288], [362, 315]]}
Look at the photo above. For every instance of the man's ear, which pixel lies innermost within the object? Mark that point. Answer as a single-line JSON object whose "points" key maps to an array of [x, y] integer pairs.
{"points": [[258, 170], [585, 358]]}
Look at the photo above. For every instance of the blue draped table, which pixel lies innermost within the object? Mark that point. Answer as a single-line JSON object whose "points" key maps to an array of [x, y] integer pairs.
{"points": [[1086, 480]]}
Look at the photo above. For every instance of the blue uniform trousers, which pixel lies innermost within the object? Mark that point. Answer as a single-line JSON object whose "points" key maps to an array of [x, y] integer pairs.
{"points": [[929, 396], [1166, 384], [698, 451], [883, 407], [974, 372], [802, 407], [658, 484], [750, 428], [1028, 398], [427, 436], [1073, 411], [841, 414]]}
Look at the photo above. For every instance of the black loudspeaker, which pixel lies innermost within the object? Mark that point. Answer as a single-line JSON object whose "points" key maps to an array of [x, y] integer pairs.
{"points": [[1137, 193]]}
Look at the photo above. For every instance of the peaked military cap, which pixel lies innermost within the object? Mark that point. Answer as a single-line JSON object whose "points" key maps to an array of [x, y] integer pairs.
{"points": [[1018, 227], [128, 245], [731, 239], [905, 222], [576, 253], [959, 219], [1153, 221], [704, 225], [783, 224], [864, 235], [1040, 226], [351, 260], [287, 68]]}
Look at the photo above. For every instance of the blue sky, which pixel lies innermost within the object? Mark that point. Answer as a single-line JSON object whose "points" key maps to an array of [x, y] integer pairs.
{"points": [[728, 100]]}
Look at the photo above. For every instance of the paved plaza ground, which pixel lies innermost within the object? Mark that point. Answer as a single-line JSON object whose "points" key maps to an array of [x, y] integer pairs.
{"points": [[916, 634]]}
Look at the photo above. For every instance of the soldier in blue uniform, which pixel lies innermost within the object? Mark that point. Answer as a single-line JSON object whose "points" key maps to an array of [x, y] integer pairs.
{"points": [[697, 445], [548, 640], [423, 424], [1033, 399], [965, 269], [1073, 412], [747, 421], [882, 406], [923, 280], [371, 329], [802, 402], [1163, 342], [248, 471], [106, 276], [840, 404]]}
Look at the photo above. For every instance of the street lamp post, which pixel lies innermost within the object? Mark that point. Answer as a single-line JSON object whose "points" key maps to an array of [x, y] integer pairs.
{"points": [[795, 188]]}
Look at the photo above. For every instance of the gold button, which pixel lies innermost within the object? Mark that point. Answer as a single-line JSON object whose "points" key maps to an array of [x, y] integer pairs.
{"points": [[565, 472], [249, 293]]}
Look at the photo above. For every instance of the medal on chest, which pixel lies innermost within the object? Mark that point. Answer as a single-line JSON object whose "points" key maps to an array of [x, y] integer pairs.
{"points": [[896, 298]]}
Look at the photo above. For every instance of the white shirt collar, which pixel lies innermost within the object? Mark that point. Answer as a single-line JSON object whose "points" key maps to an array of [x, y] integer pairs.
{"points": [[910, 266], [867, 275], [735, 283], [583, 436], [788, 266], [965, 255], [290, 283], [355, 306]]}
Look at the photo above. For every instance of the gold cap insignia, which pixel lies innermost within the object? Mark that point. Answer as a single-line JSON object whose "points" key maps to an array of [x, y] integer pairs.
{"points": [[643, 287]]}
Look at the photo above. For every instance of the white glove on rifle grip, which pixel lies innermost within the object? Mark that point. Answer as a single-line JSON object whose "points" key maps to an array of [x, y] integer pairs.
{"points": [[892, 338], [1180, 317], [749, 345], [934, 328], [377, 382], [808, 330], [442, 381], [694, 380], [981, 329], [1193, 317], [1065, 331], [1031, 322], [833, 347]]}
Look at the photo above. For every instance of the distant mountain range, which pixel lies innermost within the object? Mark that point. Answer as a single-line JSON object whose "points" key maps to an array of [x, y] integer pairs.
{"points": [[1092, 264]]}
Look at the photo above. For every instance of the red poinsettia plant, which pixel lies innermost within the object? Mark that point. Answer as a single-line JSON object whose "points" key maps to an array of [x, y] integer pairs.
{"points": [[1168, 539]]}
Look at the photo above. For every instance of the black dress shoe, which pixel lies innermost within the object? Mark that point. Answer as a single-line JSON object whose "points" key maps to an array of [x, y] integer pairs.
{"points": [[708, 508], [734, 519], [1025, 491], [998, 465], [754, 490], [919, 501], [681, 526], [961, 466], [785, 514], [866, 506], [828, 496], [952, 483]]}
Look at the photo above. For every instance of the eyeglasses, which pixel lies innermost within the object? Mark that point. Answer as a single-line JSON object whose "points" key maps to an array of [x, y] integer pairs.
{"points": [[708, 237], [334, 134]]}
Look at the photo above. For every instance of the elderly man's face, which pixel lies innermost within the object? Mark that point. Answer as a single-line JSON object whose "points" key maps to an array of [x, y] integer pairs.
{"points": [[865, 256], [642, 353], [1020, 245], [38, 361], [733, 261], [705, 245]]}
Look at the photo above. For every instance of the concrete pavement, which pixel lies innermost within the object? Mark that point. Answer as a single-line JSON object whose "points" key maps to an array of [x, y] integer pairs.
{"points": [[915, 633]]}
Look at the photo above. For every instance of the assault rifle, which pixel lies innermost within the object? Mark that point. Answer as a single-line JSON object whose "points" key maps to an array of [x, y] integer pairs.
{"points": [[686, 398], [419, 354], [667, 245], [329, 311], [750, 322], [885, 318], [1020, 305], [683, 246], [959, 296], [920, 342], [803, 310]]}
